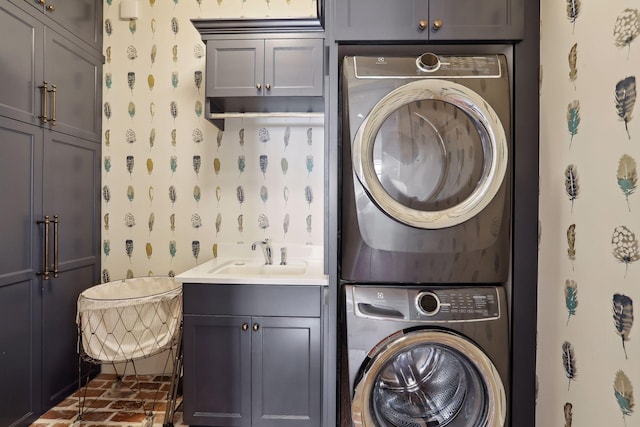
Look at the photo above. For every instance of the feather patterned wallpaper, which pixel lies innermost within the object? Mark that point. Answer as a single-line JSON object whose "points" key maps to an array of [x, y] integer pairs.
{"points": [[589, 274], [174, 187]]}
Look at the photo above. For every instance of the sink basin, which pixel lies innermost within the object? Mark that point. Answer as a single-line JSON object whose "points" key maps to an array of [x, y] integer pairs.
{"points": [[258, 268]]}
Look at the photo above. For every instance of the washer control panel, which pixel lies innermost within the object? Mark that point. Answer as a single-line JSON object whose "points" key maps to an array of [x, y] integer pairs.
{"points": [[437, 304], [454, 304]]}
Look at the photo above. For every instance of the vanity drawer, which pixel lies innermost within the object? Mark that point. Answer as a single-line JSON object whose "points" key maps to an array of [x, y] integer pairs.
{"points": [[252, 300]]}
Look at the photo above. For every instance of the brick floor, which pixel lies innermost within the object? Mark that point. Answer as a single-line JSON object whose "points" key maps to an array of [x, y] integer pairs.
{"points": [[112, 404]]}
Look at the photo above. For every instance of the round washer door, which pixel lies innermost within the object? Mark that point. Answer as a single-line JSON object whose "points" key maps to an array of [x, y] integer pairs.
{"points": [[429, 378], [431, 154]]}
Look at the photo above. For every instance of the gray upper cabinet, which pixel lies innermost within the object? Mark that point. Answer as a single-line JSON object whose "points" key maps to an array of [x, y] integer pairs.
{"points": [[438, 20], [264, 67], [80, 17]]}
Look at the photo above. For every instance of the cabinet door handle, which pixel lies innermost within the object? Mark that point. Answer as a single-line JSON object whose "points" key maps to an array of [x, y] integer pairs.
{"points": [[45, 271], [256, 326], [422, 25], [54, 104], [56, 271], [51, 8], [245, 326], [44, 117], [42, 2], [437, 24], [259, 86], [268, 86]]}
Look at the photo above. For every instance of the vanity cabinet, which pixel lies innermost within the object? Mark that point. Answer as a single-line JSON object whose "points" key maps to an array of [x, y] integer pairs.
{"points": [[421, 20], [264, 67], [252, 355]]}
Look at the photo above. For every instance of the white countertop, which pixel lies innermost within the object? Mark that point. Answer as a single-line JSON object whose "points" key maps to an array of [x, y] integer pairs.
{"points": [[234, 255]]}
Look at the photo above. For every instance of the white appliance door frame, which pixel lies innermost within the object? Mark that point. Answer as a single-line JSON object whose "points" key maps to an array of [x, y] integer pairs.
{"points": [[362, 410], [487, 123]]}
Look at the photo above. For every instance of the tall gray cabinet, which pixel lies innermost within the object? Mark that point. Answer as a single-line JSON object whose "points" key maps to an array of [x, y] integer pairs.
{"points": [[50, 139]]}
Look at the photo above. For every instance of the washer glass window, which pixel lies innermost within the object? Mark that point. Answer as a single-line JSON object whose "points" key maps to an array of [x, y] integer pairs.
{"points": [[429, 385]]}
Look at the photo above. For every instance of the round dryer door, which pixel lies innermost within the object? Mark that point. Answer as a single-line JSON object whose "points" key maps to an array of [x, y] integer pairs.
{"points": [[429, 378], [431, 154]]}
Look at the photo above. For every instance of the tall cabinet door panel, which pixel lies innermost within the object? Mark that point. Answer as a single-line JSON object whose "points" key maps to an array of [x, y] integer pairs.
{"points": [[286, 372], [76, 104], [20, 259], [234, 68], [82, 18], [20, 61], [293, 67], [475, 20], [380, 20], [217, 360], [71, 192]]}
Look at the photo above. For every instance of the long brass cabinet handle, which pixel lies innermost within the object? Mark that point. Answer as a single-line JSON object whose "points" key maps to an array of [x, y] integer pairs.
{"points": [[56, 239], [44, 117], [54, 104], [45, 272]]}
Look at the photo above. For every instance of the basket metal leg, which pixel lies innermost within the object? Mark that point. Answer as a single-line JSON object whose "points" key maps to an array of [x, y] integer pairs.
{"points": [[175, 381]]}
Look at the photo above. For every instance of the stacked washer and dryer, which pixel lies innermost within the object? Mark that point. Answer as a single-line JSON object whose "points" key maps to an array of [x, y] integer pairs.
{"points": [[424, 237]]}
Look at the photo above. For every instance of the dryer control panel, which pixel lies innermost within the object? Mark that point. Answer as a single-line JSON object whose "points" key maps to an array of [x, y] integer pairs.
{"points": [[427, 66], [427, 304]]}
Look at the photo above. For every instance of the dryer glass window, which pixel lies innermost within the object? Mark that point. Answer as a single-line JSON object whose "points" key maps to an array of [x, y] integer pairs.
{"points": [[429, 385], [429, 155]]}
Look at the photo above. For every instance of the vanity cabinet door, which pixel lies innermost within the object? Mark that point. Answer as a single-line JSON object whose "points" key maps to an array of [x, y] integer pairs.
{"points": [[293, 67], [286, 372], [234, 68], [217, 370]]}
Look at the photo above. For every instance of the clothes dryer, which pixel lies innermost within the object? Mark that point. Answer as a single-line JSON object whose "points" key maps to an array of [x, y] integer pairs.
{"points": [[425, 169], [427, 356]]}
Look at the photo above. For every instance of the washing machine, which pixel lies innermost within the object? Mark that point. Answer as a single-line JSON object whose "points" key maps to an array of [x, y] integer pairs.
{"points": [[425, 191], [427, 356]]}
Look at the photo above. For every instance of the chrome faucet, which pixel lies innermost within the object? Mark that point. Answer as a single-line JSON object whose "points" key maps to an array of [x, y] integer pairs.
{"points": [[266, 250]]}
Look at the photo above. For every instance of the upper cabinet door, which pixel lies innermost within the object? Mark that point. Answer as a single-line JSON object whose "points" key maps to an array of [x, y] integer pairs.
{"points": [[20, 61], [293, 67], [235, 68], [380, 19], [83, 18], [421, 20], [76, 74], [476, 20]]}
